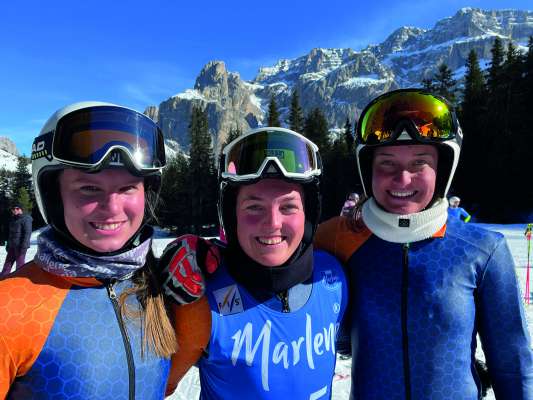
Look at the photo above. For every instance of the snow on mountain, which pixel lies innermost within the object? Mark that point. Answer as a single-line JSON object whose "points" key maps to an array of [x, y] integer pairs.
{"points": [[341, 81], [190, 94], [8, 161], [8, 145], [321, 61], [361, 81]]}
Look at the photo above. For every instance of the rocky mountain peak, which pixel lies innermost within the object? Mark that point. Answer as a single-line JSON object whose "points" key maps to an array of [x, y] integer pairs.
{"points": [[317, 61], [325, 59], [397, 40], [152, 112], [466, 22], [215, 82], [8, 145], [212, 74], [340, 81]]}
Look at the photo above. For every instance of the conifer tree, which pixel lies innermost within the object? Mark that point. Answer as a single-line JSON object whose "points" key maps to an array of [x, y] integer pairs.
{"points": [[512, 72], [233, 134], [444, 84], [474, 104], [348, 135], [296, 116], [528, 65], [316, 129], [273, 113], [175, 199], [498, 146], [526, 118], [5, 177], [495, 71], [23, 199], [474, 94], [472, 116], [428, 85], [339, 175], [22, 177], [527, 95], [202, 179], [518, 139]]}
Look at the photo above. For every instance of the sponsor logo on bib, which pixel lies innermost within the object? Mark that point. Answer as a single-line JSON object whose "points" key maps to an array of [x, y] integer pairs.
{"points": [[228, 300], [330, 280]]}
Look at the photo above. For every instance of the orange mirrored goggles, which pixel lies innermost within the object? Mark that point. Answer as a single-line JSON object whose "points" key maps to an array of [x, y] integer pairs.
{"points": [[426, 118]]}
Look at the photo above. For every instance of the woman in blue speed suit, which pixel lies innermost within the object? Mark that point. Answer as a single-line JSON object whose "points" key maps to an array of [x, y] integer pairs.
{"points": [[86, 319], [424, 285]]}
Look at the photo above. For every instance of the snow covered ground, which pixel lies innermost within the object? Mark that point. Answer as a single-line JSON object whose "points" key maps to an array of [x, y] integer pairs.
{"points": [[189, 387]]}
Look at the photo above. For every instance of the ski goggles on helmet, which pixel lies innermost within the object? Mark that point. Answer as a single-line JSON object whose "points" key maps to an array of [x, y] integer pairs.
{"points": [[427, 118], [86, 137], [270, 151]]}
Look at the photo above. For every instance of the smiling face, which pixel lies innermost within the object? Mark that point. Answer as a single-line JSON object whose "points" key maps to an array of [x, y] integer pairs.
{"points": [[270, 220], [403, 177], [103, 210]]}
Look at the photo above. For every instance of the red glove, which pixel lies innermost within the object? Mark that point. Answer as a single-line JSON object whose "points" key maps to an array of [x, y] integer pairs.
{"points": [[183, 265]]}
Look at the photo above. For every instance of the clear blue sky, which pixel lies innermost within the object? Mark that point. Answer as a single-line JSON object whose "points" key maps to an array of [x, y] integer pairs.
{"points": [[139, 53]]}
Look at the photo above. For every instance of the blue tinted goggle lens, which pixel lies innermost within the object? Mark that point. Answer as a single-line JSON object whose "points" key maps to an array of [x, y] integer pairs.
{"points": [[86, 136]]}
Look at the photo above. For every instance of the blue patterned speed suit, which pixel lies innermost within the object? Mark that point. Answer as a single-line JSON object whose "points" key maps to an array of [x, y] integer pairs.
{"points": [[416, 310]]}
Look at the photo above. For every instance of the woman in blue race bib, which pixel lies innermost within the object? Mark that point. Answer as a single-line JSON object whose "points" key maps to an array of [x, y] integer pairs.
{"points": [[275, 303]]}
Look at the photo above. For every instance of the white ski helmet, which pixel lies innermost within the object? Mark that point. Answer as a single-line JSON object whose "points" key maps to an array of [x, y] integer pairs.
{"points": [[409, 116], [454, 201], [92, 136]]}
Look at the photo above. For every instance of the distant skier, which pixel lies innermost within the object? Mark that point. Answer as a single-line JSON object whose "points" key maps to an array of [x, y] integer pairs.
{"points": [[18, 240], [349, 204], [458, 212], [528, 231]]}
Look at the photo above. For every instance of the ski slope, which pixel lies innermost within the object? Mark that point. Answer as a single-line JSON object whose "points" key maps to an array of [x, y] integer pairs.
{"points": [[189, 387]]}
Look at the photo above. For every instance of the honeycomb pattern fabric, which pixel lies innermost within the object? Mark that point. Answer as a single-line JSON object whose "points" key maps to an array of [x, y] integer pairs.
{"points": [[60, 340], [455, 286]]}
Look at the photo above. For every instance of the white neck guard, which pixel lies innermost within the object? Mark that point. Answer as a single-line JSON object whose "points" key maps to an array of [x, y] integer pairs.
{"points": [[408, 228]]}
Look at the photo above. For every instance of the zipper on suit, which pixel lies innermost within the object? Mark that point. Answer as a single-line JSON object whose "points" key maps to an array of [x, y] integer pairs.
{"points": [[405, 338], [284, 298], [125, 339]]}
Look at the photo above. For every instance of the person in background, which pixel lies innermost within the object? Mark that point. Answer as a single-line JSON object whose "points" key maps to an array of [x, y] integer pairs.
{"points": [[457, 212], [424, 284], [87, 318], [275, 303], [349, 204], [18, 240]]}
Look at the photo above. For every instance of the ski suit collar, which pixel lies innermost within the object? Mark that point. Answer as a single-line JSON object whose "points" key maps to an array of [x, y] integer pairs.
{"points": [[408, 228]]}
